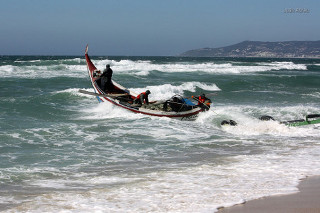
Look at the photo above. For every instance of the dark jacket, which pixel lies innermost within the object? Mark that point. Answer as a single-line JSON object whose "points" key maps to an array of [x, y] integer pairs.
{"points": [[107, 73]]}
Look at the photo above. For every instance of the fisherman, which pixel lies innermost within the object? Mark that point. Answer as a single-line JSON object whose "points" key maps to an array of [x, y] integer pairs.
{"points": [[202, 98], [203, 101], [106, 83], [142, 98]]}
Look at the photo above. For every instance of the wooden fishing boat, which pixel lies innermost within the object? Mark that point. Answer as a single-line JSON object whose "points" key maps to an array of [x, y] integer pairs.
{"points": [[175, 107]]}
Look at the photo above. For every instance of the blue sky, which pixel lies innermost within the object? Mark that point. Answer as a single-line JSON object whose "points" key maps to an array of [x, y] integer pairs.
{"points": [[149, 27]]}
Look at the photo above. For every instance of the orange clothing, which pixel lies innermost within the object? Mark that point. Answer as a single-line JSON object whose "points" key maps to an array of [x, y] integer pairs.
{"points": [[201, 100]]}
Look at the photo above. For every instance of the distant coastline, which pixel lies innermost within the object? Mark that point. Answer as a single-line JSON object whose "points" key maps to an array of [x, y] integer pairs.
{"points": [[285, 49]]}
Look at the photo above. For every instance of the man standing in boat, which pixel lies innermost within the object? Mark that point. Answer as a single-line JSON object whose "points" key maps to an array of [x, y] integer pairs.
{"points": [[142, 98], [106, 83]]}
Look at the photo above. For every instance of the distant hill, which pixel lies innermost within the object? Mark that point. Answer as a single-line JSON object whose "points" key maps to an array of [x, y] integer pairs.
{"points": [[285, 49]]}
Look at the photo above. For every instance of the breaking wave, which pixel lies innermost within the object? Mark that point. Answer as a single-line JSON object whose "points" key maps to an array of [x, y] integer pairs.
{"points": [[144, 67], [76, 67]]}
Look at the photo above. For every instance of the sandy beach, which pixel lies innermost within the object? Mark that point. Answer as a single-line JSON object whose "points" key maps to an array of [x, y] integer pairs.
{"points": [[307, 200]]}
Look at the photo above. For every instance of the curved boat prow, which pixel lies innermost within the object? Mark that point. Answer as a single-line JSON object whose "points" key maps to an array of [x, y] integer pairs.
{"points": [[90, 65], [86, 51]]}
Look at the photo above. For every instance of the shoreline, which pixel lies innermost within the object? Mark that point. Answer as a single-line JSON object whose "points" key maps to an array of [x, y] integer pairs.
{"points": [[306, 200]]}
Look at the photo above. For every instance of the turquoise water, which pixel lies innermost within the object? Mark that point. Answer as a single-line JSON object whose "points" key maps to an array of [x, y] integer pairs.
{"points": [[62, 151]]}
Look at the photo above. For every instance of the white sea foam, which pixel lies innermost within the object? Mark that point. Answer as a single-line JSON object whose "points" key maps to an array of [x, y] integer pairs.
{"points": [[78, 60], [144, 67], [166, 91], [248, 121], [140, 68], [106, 110], [7, 69], [75, 91], [315, 94], [31, 61], [51, 71], [285, 65], [202, 188]]}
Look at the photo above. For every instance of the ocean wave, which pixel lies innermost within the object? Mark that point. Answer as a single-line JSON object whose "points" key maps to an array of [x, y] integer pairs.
{"points": [[77, 60], [106, 111], [63, 67], [30, 61], [202, 188], [145, 67], [285, 65], [314, 94], [51, 71], [166, 91], [248, 121], [75, 92]]}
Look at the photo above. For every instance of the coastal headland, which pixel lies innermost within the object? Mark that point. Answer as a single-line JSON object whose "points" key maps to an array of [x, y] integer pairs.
{"points": [[285, 49]]}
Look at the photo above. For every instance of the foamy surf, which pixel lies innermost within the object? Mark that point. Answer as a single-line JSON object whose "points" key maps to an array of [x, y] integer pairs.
{"points": [[248, 122], [166, 91], [76, 67], [145, 67], [195, 189]]}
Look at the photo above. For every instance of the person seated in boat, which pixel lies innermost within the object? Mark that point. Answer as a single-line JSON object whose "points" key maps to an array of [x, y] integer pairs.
{"points": [[142, 98], [106, 83]]}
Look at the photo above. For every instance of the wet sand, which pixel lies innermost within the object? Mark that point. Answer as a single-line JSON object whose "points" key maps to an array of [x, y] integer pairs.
{"points": [[305, 201]]}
